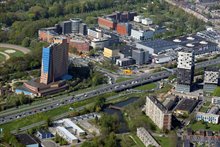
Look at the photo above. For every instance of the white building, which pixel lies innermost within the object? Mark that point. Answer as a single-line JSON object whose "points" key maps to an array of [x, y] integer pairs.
{"points": [[162, 59], [95, 33], [138, 18], [207, 117], [147, 21], [99, 43], [216, 100], [141, 35], [76, 129], [65, 134]]}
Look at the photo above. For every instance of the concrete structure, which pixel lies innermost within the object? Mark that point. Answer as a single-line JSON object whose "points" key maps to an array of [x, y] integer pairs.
{"points": [[185, 106], [185, 71], [142, 35], [138, 18], [147, 21], [65, 134], [111, 52], [140, 56], [146, 138], [216, 100], [76, 129], [66, 27], [27, 140], [75, 25], [157, 46], [162, 59], [95, 33], [83, 29], [80, 45], [211, 79], [159, 114], [207, 117], [125, 62]]}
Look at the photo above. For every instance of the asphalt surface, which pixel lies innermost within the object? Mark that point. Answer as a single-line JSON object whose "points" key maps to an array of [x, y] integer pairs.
{"points": [[15, 47], [52, 104]]}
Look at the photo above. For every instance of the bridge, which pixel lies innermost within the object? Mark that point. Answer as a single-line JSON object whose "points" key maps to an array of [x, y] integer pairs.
{"points": [[115, 107]]}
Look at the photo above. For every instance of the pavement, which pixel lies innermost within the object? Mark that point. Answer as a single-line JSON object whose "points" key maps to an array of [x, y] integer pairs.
{"points": [[15, 47]]}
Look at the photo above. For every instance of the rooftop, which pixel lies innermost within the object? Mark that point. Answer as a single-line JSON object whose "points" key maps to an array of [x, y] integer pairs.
{"points": [[26, 139], [157, 103], [186, 105]]}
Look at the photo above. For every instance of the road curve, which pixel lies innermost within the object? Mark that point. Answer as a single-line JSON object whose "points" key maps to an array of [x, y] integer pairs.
{"points": [[15, 47]]}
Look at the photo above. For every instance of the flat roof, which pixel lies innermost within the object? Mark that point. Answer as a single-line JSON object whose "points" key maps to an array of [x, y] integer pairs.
{"points": [[186, 105], [67, 133], [69, 123], [159, 44], [26, 139]]}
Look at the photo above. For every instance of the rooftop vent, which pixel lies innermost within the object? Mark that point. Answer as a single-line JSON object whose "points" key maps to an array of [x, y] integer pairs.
{"points": [[190, 38], [176, 40], [189, 45], [203, 42]]}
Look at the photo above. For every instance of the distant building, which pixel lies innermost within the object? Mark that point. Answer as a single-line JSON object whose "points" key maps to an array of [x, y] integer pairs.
{"points": [[110, 52], [138, 18], [125, 62], [185, 71], [80, 45], [211, 79], [66, 27], [146, 138], [95, 33], [185, 106], [147, 21], [142, 35], [47, 34], [75, 129], [159, 114], [65, 134], [207, 117], [83, 29], [157, 46], [44, 134], [123, 28], [210, 34], [75, 25], [27, 140], [140, 56], [162, 59], [216, 100]]}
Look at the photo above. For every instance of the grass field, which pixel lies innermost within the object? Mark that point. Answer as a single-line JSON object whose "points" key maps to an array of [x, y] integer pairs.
{"points": [[203, 109], [146, 87], [163, 141], [2, 58], [199, 125], [137, 141], [15, 54], [122, 79]]}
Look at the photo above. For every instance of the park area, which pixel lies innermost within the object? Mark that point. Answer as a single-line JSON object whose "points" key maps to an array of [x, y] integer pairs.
{"points": [[6, 53]]}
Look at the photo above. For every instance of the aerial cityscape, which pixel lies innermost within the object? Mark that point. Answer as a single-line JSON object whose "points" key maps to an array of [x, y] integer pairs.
{"points": [[110, 73]]}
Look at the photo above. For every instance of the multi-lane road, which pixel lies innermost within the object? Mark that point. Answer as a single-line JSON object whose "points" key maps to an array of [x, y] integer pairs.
{"points": [[56, 103]]}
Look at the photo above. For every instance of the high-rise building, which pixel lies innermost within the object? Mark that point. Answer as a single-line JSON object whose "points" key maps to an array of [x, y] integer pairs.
{"points": [[158, 113], [185, 71], [140, 56], [54, 62], [75, 23], [83, 29], [66, 27], [211, 79]]}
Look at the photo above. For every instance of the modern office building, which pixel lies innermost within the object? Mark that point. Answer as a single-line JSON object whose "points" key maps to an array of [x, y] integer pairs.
{"points": [[146, 137], [111, 52], [142, 34], [75, 25], [185, 71], [211, 79], [83, 29], [140, 56], [66, 27], [54, 62], [158, 113]]}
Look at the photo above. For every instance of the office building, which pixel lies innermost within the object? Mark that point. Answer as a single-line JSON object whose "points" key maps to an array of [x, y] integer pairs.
{"points": [[95, 33], [163, 58], [65, 134], [125, 61], [66, 27], [216, 100], [111, 52], [80, 45], [123, 28], [83, 29], [146, 137], [147, 21], [158, 113], [75, 129], [75, 25], [211, 79], [207, 117], [185, 71], [54, 62], [140, 56], [142, 35]]}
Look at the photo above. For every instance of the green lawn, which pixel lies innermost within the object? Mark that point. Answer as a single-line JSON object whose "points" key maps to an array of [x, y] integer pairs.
{"points": [[146, 87], [163, 141], [217, 91], [2, 58], [137, 141], [122, 79], [203, 109], [207, 104], [199, 125], [15, 54]]}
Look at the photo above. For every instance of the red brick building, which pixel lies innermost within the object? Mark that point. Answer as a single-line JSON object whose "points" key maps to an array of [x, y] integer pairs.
{"points": [[80, 45], [106, 23]]}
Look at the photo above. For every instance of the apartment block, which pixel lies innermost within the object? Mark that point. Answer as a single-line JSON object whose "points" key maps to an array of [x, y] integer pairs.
{"points": [[158, 113], [211, 79]]}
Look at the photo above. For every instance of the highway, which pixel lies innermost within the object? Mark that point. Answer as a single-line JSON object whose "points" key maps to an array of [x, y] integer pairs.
{"points": [[43, 107]]}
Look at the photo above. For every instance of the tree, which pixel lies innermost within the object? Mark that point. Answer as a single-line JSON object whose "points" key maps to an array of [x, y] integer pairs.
{"points": [[26, 42]]}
